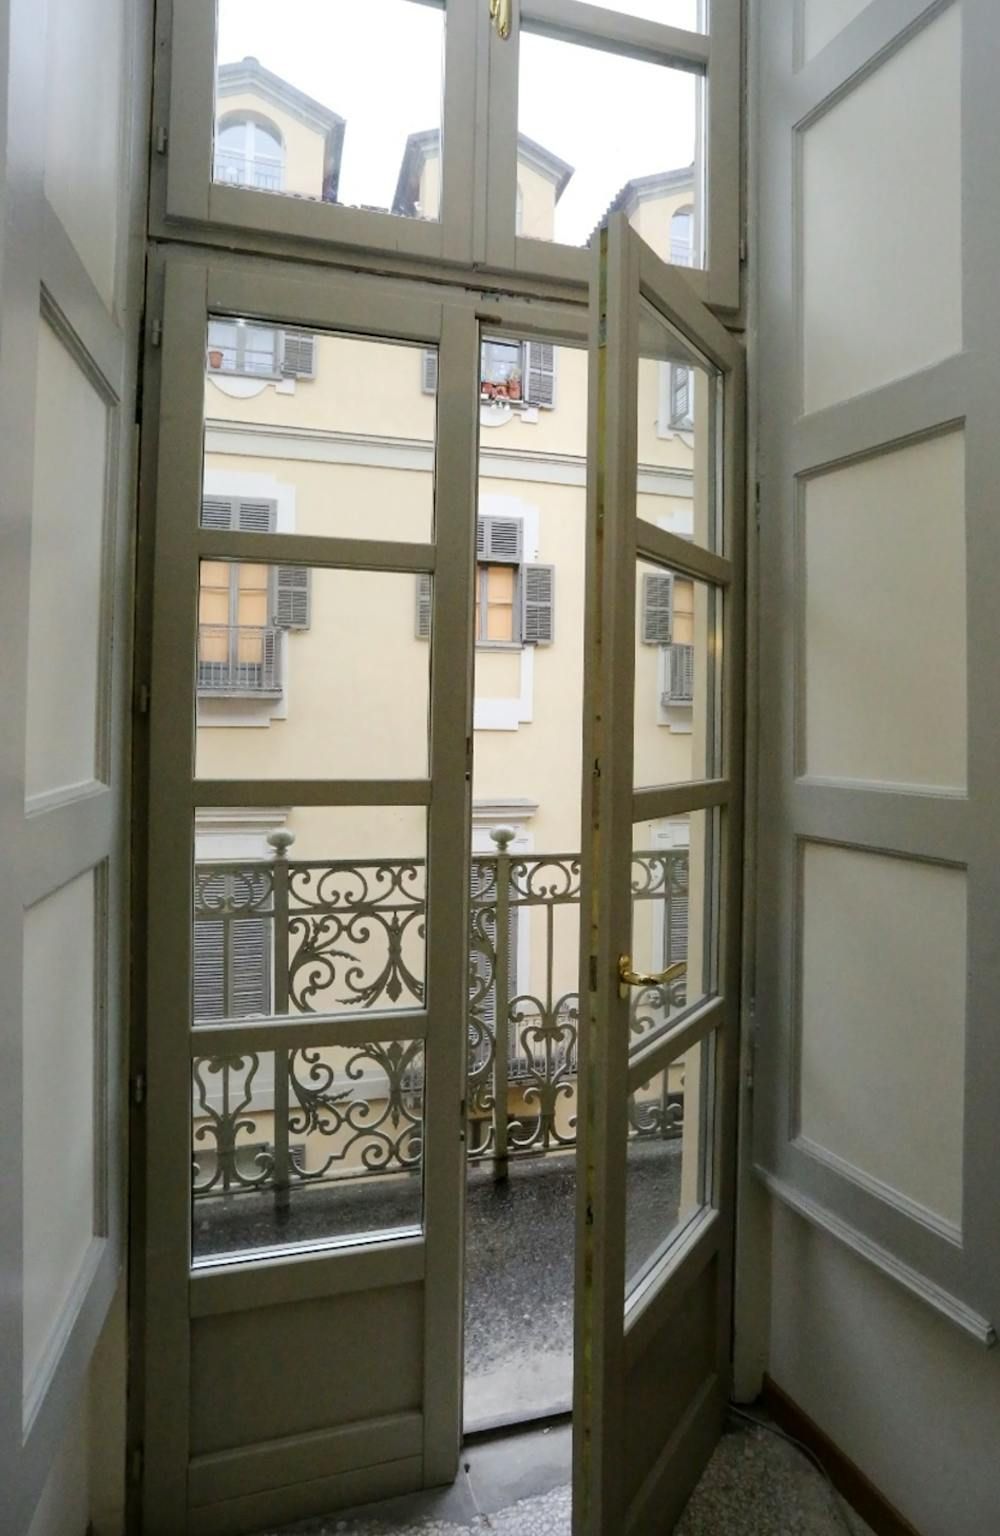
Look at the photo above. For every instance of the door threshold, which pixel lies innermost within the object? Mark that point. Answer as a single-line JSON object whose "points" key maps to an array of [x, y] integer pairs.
{"points": [[526, 1423]]}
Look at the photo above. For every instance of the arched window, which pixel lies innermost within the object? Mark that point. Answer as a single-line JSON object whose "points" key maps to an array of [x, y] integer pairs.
{"points": [[682, 236], [249, 153]]}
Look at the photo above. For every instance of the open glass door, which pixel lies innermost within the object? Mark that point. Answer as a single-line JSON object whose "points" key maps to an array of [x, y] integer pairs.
{"points": [[661, 888]]}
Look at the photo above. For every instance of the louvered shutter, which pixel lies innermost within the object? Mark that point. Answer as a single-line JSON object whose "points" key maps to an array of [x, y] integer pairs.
{"points": [[680, 396], [676, 914], [423, 624], [657, 607], [538, 596], [249, 967], [209, 968], [681, 674], [254, 516], [540, 373], [429, 371], [246, 514], [298, 355], [291, 596], [217, 511], [498, 540]]}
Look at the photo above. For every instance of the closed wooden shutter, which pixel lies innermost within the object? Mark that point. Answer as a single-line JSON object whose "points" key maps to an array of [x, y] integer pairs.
{"points": [[429, 371], [538, 598], [298, 355], [232, 954], [657, 607], [244, 514], [292, 596], [498, 540], [681, 677], [540, 373], [423, 621], [680, 396], [676, 915]]}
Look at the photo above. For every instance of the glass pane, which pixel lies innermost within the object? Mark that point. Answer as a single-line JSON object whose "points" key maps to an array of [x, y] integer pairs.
{"points": [[673, 889], [317, 434], [333, 103], [690, 14], [598, 130], [679, 420], [353, 882], [316, 1145], [677, 677], [665, 1173], [331, 667]]}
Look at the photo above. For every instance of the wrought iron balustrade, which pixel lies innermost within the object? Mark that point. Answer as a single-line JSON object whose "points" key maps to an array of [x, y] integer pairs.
{"points": [[242, 170], [286, 938]]}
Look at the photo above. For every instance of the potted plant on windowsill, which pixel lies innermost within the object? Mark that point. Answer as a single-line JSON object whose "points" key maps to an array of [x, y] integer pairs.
{"points": [[215, 358], [514, 386]]}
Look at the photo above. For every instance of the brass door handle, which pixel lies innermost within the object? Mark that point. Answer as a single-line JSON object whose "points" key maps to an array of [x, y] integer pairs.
{"points": [[630, 978], [500, 17]]}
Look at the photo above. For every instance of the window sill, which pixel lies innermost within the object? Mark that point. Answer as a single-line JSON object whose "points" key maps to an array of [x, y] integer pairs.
{"points": [[499, 645]]}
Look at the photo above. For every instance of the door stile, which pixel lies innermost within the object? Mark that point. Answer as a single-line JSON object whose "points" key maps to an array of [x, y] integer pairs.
{"points": [[170, 884], [606, 843], [448, 889]]}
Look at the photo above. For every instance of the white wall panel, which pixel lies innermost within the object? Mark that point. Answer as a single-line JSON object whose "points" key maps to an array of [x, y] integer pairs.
{"points": [[882, 1027], [84, 48], [884, 633], [60, 1036], [880, 210], [68, 518], [823, 19]]}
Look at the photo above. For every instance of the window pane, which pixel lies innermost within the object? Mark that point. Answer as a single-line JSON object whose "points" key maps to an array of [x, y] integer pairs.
{"points": [[317, 1145], [599, 130], [678, 637], [679, 432], [335, 434], [332, 667], [674, 879], [665, 1174], [352, 882], [690, 14], [335, 103]]}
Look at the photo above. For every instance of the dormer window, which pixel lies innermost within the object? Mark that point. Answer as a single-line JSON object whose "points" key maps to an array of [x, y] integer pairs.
{"points": [[249, 153]]}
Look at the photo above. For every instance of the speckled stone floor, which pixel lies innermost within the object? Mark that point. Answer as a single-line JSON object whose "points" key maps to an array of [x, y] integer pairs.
{"points": [[756, 1484]]}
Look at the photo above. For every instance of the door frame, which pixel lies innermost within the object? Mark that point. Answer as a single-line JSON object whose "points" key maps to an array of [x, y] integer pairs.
{"points": [[609, 1335]]}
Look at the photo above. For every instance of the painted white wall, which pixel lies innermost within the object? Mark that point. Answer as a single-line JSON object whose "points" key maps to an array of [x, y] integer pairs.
{"points": [[907, 1396]]}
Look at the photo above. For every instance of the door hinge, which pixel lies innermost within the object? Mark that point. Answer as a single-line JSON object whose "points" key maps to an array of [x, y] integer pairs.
{"points": [[139, 1088], [468, 758], [155, 331], [160, 141], [743, 248], [751, 1065], [142, 699], [756, 503], [136, 1462]]}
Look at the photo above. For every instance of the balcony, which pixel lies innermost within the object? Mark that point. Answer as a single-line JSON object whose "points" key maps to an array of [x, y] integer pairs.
{"points": [[239, 659], [239, 169], [318, 1143]]}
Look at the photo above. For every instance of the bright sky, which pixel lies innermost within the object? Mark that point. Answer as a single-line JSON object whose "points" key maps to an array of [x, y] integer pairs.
{"points": [[379, 64]]}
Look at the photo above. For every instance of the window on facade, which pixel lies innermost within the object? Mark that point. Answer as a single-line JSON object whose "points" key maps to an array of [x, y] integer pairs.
{"points": [[249, 153], [682, 236], [244, 606], [514, 598], [260, 351], [519, 371]]}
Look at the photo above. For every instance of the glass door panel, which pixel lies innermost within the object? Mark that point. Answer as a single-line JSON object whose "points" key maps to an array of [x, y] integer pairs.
{"points": [[336, 103], [659, 985]]}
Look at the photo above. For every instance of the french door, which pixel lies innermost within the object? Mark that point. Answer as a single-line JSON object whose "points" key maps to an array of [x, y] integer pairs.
{"points": [[307, 896], [659, 1045]]}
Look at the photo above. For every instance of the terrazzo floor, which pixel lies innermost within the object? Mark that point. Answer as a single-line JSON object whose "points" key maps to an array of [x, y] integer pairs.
{"points": [[756, 1484]]}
